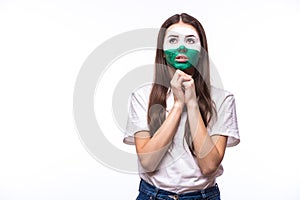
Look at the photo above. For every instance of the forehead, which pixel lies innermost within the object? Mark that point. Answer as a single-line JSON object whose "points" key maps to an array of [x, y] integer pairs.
{"points": [[181, 29]]}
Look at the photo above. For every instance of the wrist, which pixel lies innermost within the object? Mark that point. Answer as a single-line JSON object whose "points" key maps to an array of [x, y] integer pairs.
{"points": [[192, 104], [178, 105]]}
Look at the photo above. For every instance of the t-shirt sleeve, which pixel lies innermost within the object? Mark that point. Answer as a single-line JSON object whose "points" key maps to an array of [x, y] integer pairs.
{"points": [[137, 117], [226, 121]]}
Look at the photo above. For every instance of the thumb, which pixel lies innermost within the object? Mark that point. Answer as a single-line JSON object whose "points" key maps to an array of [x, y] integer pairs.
{"points": [[186, 84]]}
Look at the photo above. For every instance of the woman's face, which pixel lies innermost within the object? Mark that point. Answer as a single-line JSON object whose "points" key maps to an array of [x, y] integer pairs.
{"points": [[182, 46]]}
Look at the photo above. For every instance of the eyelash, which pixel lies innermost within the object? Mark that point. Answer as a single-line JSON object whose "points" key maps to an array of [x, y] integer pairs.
{"points": [[188, 41], [173, 40]]}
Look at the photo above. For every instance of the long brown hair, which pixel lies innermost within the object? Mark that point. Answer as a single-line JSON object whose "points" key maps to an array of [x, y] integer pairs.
{"points": [[157, 102]]}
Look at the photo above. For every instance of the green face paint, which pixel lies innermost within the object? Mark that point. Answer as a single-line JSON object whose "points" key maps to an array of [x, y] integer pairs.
{"points": [[182, 46], [182, 58]]}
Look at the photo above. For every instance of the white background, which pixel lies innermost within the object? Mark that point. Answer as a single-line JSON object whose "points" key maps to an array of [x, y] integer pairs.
{"points": [[43, 44]]}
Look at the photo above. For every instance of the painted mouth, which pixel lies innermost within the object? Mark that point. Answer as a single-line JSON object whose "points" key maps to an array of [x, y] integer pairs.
{"points": [[181, 58]]}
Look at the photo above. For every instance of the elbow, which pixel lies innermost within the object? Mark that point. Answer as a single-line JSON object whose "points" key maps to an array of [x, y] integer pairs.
{"points": [[209, 167], [147, 165], [150, 161], [209, 170]]}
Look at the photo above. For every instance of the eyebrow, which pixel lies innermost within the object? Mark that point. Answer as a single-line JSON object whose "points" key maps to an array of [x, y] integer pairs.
{"points": [[190, 36], [184, 36], [173, 36]]}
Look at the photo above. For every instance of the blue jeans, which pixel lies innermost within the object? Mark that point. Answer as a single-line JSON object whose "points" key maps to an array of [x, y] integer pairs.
{"points": [[149, 192]]}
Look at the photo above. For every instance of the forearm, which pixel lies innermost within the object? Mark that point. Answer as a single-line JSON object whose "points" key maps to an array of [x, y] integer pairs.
{"points": [[152, 150], [208, 155]]}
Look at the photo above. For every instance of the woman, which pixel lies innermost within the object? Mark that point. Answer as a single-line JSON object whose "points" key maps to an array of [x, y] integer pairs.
{"points": [[181, 124]]}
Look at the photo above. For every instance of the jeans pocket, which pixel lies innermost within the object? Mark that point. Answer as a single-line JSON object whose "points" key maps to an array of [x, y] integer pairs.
{"points": [[143, 196], [215, 196]]}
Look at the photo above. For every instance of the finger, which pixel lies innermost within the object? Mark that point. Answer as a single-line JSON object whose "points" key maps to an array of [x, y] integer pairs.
{"points": [[188, 84], [181, 73], [179, 77], [183, 79], [176, 75]]}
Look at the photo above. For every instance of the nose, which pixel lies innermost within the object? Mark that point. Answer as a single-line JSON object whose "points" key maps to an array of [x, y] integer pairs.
{"points": [[182, 48]]}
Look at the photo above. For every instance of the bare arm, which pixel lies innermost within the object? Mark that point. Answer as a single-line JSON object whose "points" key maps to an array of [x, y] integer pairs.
{"points": [[209, 150], [151, 150]]}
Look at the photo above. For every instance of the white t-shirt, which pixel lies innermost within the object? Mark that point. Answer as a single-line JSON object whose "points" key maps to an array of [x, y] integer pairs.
{"points": [[178, 171]]}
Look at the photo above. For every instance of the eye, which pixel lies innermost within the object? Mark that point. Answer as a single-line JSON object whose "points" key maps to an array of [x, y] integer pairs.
{"points": [[173, 40], [190, 40]]}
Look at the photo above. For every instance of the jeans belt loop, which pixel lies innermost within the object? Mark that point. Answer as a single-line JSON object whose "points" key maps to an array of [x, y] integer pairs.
{"points": [[156, 192]]}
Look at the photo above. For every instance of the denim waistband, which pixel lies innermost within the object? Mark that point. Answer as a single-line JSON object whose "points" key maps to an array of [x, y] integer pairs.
{"points": [[154, 192]]}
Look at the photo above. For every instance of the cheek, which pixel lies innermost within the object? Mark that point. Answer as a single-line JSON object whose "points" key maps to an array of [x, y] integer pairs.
{"points": [[170, 55], [170, 46], [195, 46], [176, 46], [194, 57]]}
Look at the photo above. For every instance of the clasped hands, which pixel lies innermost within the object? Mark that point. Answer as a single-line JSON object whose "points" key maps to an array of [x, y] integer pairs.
{"points": [[183, 88]]}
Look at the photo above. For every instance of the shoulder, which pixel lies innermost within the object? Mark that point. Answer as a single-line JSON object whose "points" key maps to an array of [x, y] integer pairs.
{"points": [[141, 94], [225, 120], [143, 90], [221, 96], [218, 93]]}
